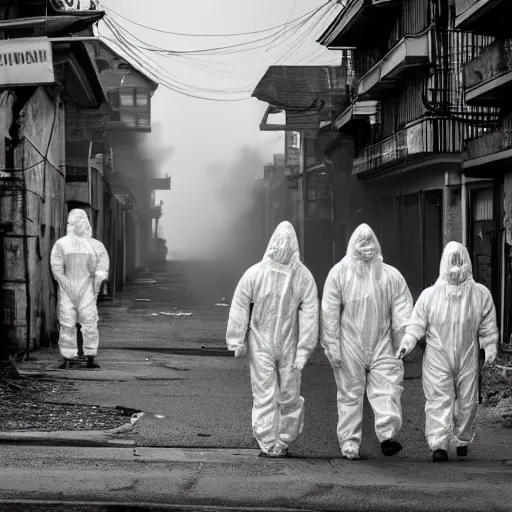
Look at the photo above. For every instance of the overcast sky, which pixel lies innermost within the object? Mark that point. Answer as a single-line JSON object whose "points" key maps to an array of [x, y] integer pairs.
{"points": [[204, 134]]}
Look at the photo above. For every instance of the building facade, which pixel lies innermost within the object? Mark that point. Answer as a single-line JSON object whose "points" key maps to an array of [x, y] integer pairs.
{"points": [[408, 121], [488, 84], [41, 75]]}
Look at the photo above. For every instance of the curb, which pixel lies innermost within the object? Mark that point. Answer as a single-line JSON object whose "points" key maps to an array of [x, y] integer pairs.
{"points": [[98, 438]]}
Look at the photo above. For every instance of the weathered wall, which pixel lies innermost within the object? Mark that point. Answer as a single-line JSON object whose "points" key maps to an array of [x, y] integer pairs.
{"points": [[453, 215], [28, 250]]}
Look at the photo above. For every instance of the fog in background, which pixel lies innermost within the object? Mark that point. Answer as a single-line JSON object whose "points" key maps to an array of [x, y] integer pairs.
{"points": [[209, 212], [223, 219]]}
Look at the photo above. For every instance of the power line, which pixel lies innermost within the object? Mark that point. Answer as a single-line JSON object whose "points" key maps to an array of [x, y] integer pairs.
{"points": [[227, 49], [293, 37], [269, 29]]}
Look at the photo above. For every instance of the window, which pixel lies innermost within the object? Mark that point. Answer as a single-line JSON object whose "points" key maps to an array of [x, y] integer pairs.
{"points": [[144, 122], [127, 100], [142, 99], [129, 120]]}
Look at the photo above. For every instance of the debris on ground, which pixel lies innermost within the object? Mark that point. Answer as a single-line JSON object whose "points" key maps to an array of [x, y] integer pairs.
{"points": [[145, 281], [37, 405], [497, 388], [176, 313]]}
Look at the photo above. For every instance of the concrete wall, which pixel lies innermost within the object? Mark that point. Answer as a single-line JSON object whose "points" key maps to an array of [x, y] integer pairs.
{"points": [[43, 222], [132, 171]]}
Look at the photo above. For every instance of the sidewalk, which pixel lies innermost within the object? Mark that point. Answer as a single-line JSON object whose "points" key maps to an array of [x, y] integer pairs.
{"points": [[239, 479]]}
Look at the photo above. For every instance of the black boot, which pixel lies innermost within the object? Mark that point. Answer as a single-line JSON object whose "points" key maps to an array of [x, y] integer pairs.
{"points": [[390, 447], [440, 456], [91, 363], [462, 451]]}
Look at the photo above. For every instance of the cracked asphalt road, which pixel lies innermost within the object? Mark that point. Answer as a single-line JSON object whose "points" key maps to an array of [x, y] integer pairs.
{"points": [[204, 399]]}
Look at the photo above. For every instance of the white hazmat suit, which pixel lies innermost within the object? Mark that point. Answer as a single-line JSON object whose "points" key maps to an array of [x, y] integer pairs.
{"points": [[282, 333], [80, 265], [458, 318], [365, 305]]}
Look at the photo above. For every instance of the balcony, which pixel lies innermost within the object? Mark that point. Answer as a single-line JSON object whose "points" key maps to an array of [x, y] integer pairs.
{"points": [[350, 26], [488, 78], [488, 155], [160, 183], [358, 111], [409, 55], [155, 211], [416, 145], [77, 184], [124, 196], [489, 17]]}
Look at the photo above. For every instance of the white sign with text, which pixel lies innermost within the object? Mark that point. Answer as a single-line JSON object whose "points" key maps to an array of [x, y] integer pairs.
{"points": [[77, 5], [26, 61]]}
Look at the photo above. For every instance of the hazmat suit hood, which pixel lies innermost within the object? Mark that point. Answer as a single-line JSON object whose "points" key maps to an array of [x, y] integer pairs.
{"points": [[78, 224], [283, 247], [455, 268], [364, 249]]}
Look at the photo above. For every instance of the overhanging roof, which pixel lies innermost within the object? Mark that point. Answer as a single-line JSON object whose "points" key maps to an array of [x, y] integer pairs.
{"points": [[299, 87], [304, 93], [102, 42], [78, 73]]}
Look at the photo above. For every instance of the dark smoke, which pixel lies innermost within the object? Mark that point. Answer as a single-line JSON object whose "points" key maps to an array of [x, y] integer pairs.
{"points": [[225, 221], [138, 157]]}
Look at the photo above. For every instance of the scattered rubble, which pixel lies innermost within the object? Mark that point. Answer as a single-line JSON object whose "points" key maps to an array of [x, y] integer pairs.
{"points": [[37, 405], [497, 388]]}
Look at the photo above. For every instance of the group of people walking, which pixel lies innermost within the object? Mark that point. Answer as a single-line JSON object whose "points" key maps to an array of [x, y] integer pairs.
{"points": [[366, 324]]}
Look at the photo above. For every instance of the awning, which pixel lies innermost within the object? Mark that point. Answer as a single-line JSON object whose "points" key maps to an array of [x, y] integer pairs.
{"points": [[360, 110], [307, 120]]}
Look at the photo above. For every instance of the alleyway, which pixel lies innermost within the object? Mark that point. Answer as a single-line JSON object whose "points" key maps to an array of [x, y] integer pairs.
{"points": [[154, 361]]}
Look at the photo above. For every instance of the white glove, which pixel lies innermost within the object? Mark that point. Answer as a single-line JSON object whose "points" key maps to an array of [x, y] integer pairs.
{"points": [[241, 351], [491, 352], [299, 364], [406, 346]]}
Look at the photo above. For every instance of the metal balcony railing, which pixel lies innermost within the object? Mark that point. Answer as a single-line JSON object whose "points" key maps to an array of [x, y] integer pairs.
{"points": [[427, 135]]}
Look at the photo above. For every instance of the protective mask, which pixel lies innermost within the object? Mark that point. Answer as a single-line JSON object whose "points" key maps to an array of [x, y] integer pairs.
{"points": [[455, 273]]}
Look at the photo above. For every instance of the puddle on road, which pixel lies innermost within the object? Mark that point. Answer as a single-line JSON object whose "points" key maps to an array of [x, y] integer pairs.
{"points": [[211, 352]]}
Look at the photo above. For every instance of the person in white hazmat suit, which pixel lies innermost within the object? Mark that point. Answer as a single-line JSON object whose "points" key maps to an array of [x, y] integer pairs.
{"points": [[365, 306], [458, 318], [274, 317], [80, 265]]}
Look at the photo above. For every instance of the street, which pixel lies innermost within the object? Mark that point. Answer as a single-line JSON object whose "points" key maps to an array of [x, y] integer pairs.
{"points": [[195, 444]]}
